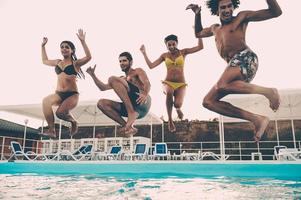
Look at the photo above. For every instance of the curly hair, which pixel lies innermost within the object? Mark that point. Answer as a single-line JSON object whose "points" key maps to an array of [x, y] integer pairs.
{"points": [[213, 5]]}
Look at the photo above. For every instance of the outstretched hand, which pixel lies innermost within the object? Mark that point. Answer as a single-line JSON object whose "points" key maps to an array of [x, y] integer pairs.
{"points": [[91, 70], [142, 48], [194, 7], [45, 40], [81, 35]]}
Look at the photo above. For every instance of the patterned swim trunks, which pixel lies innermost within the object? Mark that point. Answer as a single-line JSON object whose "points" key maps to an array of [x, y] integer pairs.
{"points": [[247, 61]]}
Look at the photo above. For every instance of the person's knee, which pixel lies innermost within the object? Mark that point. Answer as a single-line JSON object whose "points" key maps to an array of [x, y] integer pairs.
{"points": [[169, 92], [208, 102], [102, 104], [221, 87], [113, 79], [60, 114], [177, 104], [45, 101]]}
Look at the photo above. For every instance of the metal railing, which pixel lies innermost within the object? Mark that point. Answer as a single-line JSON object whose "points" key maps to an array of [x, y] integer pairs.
{"points": [[236, 150]]}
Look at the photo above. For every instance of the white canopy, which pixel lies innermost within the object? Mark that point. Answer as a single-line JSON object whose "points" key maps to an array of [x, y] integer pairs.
{"points": [[86, 113], [290, 105]]}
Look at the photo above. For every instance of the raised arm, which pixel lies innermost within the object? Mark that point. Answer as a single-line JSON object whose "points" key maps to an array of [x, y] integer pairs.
{"points": [[150, 64], [82, 36], [102, 86], [273, 11], [199, 31], [45, 57], [143, 93], [193, 49]]}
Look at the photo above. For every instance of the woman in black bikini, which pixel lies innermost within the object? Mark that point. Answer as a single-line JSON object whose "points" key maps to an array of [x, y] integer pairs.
{"points": [[66, 94]]}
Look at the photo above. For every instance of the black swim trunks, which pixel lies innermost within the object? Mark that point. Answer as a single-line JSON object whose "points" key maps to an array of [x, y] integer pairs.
{"points": [[141, 109], [247, 61]]}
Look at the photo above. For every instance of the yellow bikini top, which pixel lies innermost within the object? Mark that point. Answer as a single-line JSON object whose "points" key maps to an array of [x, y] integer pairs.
{"points": [[179, 62]]}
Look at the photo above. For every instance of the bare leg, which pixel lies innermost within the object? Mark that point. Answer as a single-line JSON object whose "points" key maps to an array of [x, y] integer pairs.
{"points": [[241, 87], [121, 88], [179, 98], [63, 112], [48, 102], [112, 110], [231, 83], [169, 92]]}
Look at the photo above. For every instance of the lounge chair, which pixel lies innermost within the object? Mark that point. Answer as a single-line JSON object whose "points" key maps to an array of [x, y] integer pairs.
{"points": [[161, 151], [83, 152], [140, 152], [190, 156], [212, 155], [276, 151], [18, 152], [289, 154], [115, 153]]}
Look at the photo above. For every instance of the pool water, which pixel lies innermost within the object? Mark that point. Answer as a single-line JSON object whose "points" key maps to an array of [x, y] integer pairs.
{"points": [[110, 181], [90, 187]]}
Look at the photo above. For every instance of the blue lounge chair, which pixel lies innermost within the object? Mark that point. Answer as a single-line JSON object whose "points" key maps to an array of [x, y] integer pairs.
{"points": [[140, 152], [18, 152], [161, 151], [115, 153], [83, 152]]}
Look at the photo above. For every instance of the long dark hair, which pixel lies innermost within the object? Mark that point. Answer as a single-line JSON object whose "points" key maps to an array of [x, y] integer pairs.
{"points": [[80, 74], [213, 5]]}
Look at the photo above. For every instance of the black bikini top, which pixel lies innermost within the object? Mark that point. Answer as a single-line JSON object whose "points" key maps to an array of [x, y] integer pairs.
{"points": [[69, 70]]}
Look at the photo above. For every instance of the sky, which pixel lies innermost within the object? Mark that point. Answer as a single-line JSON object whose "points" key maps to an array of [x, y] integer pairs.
{"points": [[115, 26]]}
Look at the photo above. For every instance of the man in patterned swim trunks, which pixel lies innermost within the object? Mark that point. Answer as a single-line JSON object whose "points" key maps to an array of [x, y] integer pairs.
{"points": [[242, 61]]}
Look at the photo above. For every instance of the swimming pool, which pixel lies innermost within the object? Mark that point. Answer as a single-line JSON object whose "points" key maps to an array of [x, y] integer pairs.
{"points": [[150, 180], [157, 169]]}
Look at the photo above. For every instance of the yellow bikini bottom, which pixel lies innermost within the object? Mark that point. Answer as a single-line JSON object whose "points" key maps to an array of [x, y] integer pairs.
{"points": [[174, 85]]}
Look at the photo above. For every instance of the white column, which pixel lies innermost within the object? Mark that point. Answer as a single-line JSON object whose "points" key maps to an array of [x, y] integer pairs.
{"points": [[60, 134], [94, 129], [151, 131], [162, 131], [24, 138], [43, 121], [293, 132], [277, 133], [221, 136]]}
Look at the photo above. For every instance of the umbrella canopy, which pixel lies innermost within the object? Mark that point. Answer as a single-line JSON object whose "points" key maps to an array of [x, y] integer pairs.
{"points": [[290, 105], [86, 113]]}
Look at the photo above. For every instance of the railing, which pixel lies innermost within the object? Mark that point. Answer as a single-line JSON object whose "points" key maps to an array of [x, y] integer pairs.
{"points": [[236, 150], [30, 145]]}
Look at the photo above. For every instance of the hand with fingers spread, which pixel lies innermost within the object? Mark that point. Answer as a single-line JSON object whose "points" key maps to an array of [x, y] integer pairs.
{"points": [[91, 70], [45, 40], [194, 7], [81, 35], [142, 49], [142, 98]]}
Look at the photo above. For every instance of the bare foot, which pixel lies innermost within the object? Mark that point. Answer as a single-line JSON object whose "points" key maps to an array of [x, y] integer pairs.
{"points": [[130, 131], [121, 130], [274, 99], [260, 127], [180, 113], [131, 119], [171, 126], [49, 133], [74, 128]]}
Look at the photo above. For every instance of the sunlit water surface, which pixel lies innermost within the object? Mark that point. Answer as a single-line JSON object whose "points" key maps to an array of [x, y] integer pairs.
{"points": [[31, 186]]}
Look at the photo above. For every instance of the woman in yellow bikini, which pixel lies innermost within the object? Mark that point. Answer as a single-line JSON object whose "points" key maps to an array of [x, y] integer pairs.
{"points": [[174, 84]]}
